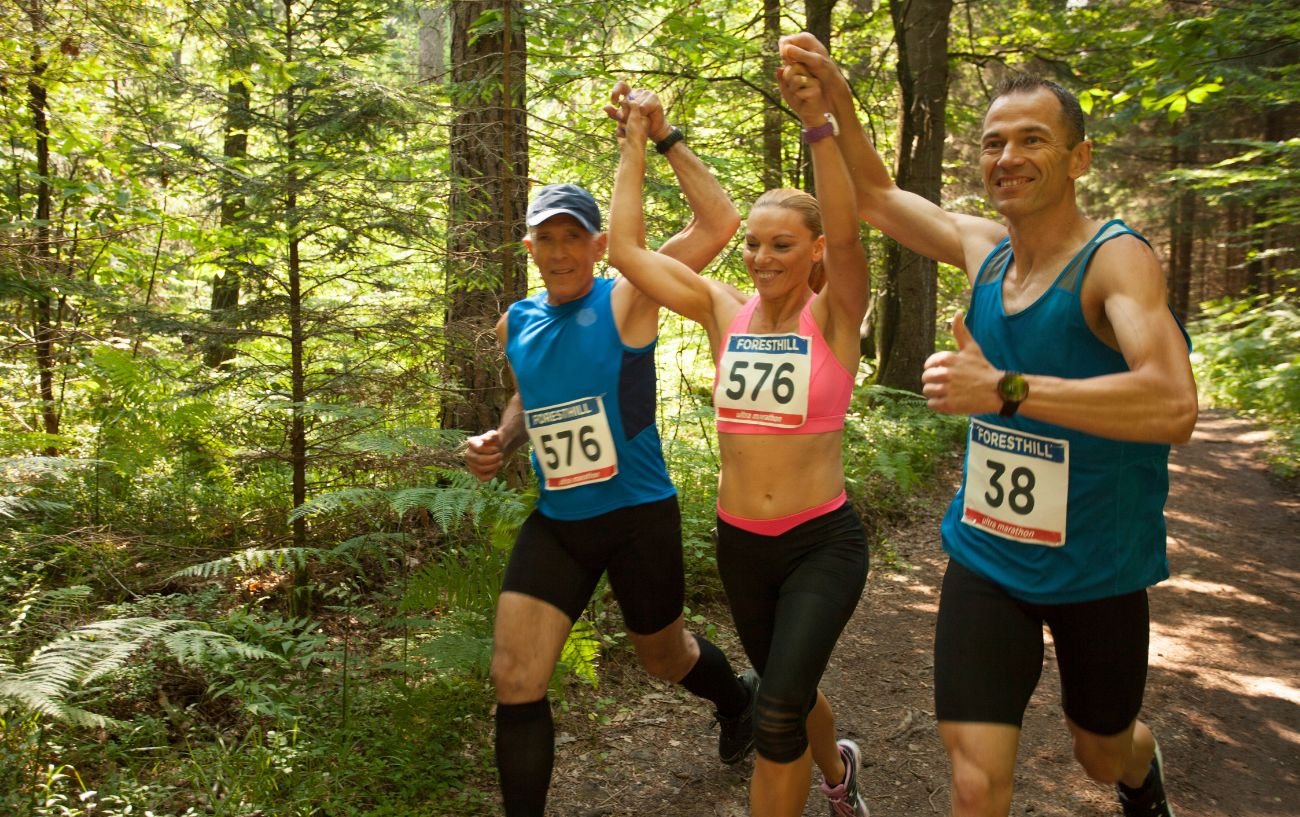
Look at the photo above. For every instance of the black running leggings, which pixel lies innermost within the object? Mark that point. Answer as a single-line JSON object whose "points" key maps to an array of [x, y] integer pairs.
{"points": [[791, 596]]}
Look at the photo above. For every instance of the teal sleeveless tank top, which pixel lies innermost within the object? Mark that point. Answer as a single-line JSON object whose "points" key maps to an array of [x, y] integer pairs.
{"points": [[589, 406], [1052, 514]]}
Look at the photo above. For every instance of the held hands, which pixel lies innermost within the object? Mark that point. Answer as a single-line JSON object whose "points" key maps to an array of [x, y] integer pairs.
{"points": [[806, 51], [961, 382], [802, 92], [483, 455], [623, 98]]}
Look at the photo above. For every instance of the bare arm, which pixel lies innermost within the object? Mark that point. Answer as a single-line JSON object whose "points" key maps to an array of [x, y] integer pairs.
{"points": [[662, 278], [847, 275], [912, 220], [1155, 401], [714, 218], [485, 453]]}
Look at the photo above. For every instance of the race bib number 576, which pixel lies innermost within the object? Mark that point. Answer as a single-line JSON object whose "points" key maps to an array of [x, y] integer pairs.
{"points": [[1017, 484], [763, 380], [573, 443]]}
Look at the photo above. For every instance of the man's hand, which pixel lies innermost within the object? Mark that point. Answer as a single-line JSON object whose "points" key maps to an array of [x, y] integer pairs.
{"points": [[483, 455], [621, 99], [961, 382], [807, 51]]}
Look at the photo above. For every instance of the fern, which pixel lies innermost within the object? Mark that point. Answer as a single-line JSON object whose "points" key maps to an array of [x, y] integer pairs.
{"points": [[395, 442], [15, 506], [337, 500], [581, 652], [47, 682], [250, 561]]}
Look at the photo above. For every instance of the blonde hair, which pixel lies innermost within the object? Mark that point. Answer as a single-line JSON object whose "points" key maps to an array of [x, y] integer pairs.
{"points": [[804, 205], [810, 213]]}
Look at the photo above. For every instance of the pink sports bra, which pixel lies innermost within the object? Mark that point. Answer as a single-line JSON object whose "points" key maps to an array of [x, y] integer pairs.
{"points": [[784, 383]]}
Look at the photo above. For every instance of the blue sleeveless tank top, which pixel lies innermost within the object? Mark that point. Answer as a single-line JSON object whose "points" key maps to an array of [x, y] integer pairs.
{"points": [[1014, 521], [589, 405]]}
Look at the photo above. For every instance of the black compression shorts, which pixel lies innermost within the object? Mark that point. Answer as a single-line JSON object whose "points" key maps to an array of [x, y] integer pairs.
{"points": [[988, 654], [560, 562]]}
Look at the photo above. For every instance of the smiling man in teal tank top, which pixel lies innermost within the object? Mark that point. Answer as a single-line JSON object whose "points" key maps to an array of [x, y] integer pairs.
{"points": [[1077, 380]]}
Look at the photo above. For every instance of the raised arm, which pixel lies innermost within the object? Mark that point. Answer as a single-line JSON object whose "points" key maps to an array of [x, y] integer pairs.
{"points": [[912, 220], [848, 285], [661, 277], [714, 218]]}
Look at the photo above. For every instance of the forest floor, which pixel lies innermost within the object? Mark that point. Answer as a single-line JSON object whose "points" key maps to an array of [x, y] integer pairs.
{"points": [[1223, 692]]}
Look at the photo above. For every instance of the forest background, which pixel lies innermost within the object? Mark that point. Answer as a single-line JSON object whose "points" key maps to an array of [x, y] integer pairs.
{"points": [[251, 254]]}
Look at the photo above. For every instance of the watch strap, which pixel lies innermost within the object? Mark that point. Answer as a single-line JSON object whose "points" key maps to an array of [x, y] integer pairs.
{"points": [[831, 127], [665, 144]]}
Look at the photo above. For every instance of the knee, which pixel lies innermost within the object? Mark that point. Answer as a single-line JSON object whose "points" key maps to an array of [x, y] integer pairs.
{"points": [[780, 729], [975, 790], [1098, 763], [513, 680], [668, 657]]}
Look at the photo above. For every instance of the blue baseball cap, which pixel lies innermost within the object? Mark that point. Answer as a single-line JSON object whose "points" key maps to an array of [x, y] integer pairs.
{"points": [[554, 199]]}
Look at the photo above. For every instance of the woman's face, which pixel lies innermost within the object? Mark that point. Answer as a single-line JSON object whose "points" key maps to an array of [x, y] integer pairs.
{"points": [[780, 250]]}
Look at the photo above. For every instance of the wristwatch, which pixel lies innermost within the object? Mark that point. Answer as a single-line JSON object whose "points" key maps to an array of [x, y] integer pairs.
{"points": [[674, 136], [1013, 389], [831, 127]]}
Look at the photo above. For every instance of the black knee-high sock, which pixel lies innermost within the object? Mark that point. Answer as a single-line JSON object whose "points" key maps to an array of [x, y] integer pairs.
{"points": [[712, 679], [525, 746]]}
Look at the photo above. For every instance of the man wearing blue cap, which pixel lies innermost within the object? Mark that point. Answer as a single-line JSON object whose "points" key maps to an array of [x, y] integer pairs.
{"points": [[582, 356]]}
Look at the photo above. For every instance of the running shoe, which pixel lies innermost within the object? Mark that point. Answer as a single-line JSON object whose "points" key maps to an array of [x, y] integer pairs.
{"points": [[1150, 800], [736, 737], [844, 798]]}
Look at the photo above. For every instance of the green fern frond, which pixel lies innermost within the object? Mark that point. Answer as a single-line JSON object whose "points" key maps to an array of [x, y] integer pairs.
{"points": [[461, 644], [249, 561], [14, 506], [581, 653], [201, 647], [35, 603], [396, 441], [337, 500], [57, 671]]}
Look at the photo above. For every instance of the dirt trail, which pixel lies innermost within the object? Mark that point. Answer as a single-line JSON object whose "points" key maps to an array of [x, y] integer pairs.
{"points": [[1223, 693]]}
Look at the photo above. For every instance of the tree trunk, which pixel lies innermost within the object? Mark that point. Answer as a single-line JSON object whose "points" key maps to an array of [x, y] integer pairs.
{"points": [[42, 252], [225, 287], [1182, 228], [299, 601], [773, 116], [817, 18], [431, 61], [486, 267], [907, 308]]}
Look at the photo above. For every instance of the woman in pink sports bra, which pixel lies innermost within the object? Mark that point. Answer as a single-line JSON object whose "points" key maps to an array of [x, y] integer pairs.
{"points": [[791, 551]]}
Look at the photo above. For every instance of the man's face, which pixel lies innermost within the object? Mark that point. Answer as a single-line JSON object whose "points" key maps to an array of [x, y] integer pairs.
{"points": [[566, 255], [1026, 160]]}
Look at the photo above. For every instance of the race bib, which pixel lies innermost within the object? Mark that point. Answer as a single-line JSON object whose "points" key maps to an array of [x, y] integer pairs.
{"points": [[1017, 484], [573, 443], [763, 380]]}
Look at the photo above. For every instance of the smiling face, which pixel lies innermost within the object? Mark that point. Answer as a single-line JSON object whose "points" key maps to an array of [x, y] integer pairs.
{"points": [[780, 249], [566, 255], [1026, 157]]}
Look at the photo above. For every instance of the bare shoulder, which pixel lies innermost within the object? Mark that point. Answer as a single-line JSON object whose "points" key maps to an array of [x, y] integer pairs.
{"points": [[503, 327], [978, 236], [1126, 264]]}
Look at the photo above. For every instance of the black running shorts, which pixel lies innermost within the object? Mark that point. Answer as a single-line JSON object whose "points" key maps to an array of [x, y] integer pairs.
{"points": [[988, 654], [560, 562]]}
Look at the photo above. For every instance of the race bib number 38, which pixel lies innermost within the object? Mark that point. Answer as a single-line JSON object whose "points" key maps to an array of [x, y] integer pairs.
{"points": [[763, 379], [1017, 484], [573, 443]]}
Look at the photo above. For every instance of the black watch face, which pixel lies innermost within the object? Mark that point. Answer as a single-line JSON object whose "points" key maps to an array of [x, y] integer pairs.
{"points": [[1013, 387]]}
